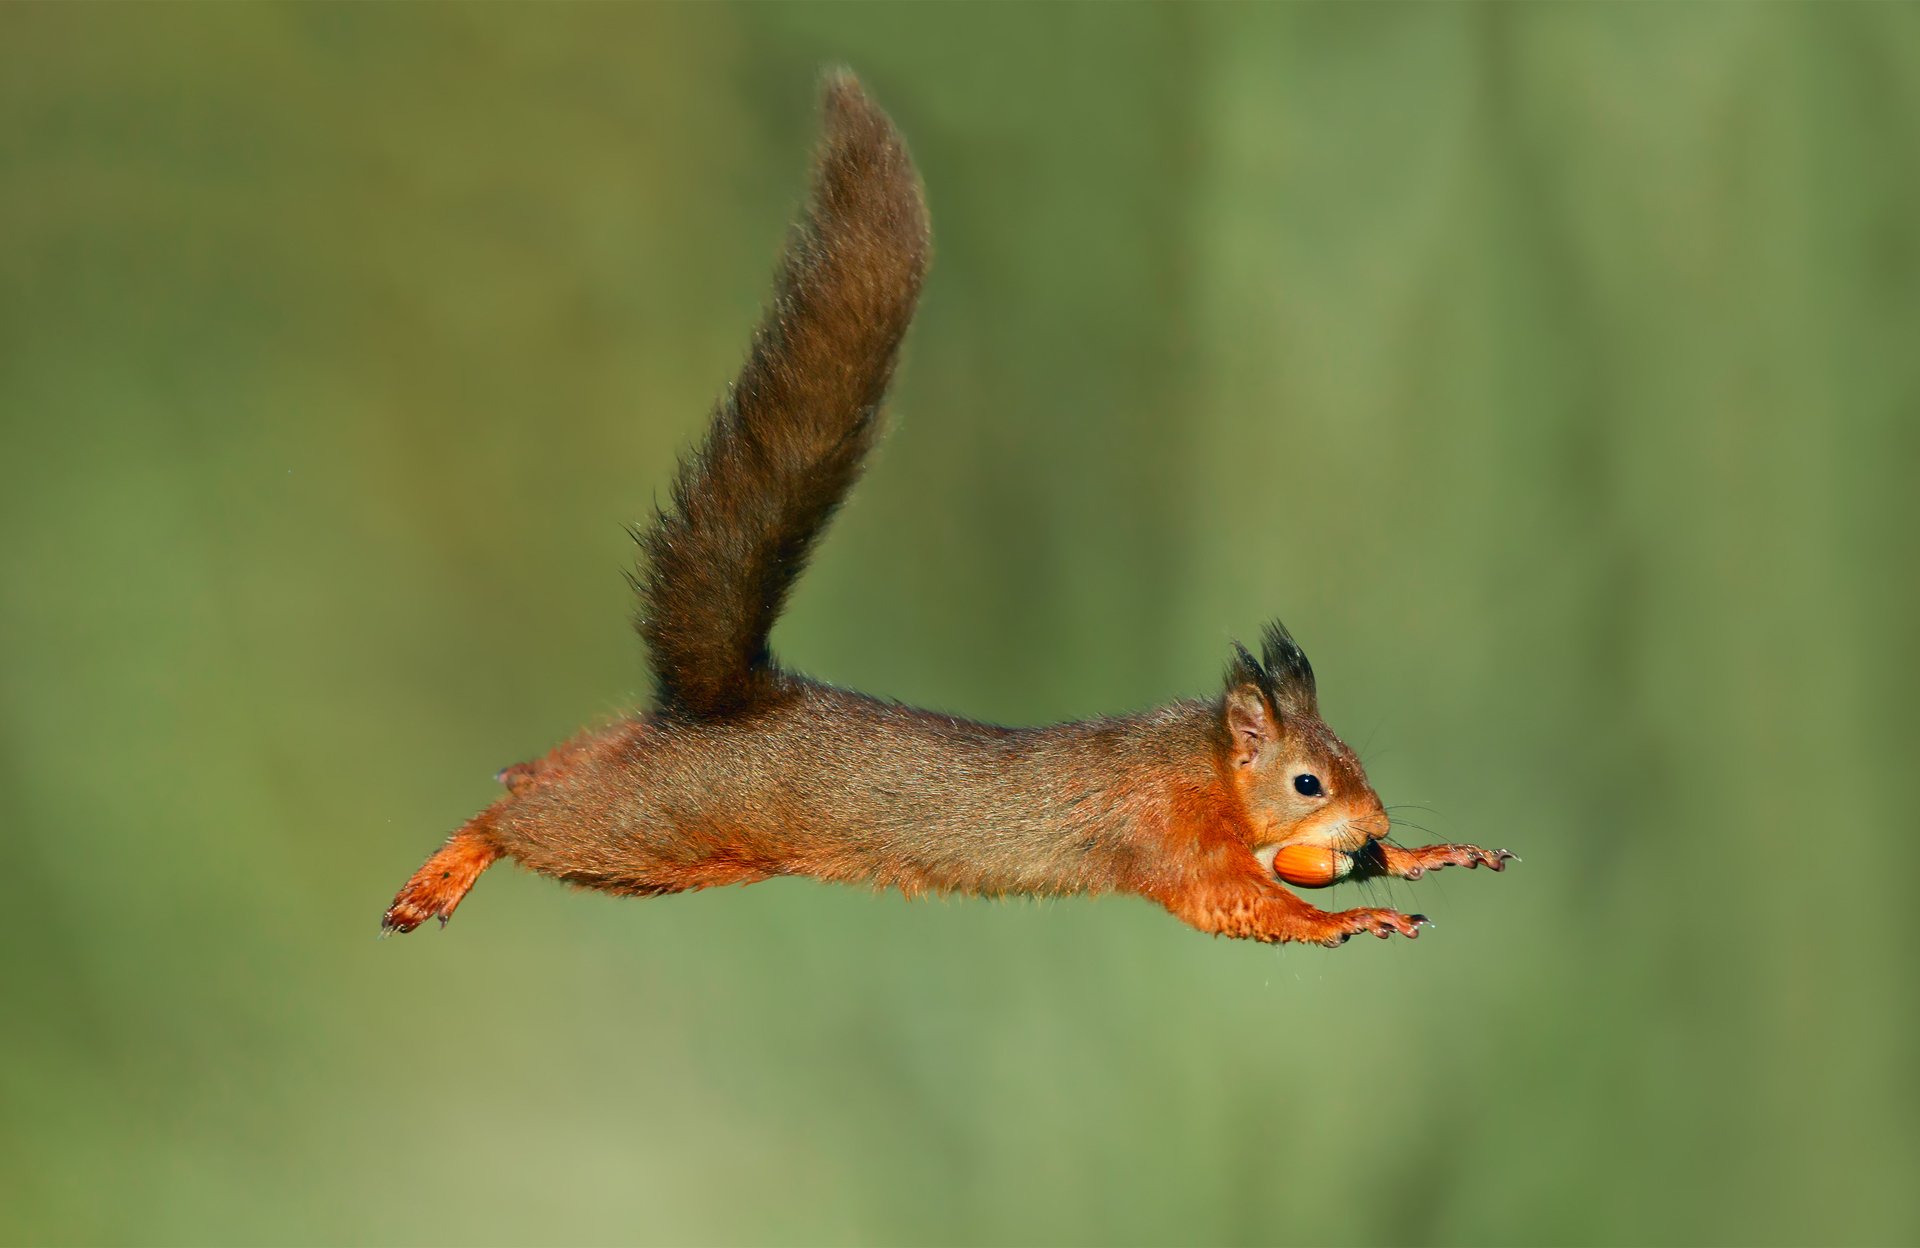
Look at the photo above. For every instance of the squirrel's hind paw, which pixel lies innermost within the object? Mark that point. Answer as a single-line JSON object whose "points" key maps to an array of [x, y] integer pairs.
{"points": [[413, 907], [437, 887]]}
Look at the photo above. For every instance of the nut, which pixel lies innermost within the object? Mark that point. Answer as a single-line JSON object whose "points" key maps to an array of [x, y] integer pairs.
{"points": [[1311, 866]]}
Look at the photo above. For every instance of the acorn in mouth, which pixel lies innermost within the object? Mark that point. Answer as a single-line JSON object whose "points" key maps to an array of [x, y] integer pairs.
{"points": [[1312, 866]]}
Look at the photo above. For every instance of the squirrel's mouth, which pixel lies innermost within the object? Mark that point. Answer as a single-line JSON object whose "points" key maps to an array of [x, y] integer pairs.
{"points": [[1326, 851], [1337, 830]]}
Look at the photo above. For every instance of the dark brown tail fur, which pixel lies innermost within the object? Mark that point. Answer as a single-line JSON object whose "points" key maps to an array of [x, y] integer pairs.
{"points": [[788, 439]]}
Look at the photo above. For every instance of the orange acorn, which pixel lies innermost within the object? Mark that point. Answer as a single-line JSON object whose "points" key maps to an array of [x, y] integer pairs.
{"points": [[1311, 866]]}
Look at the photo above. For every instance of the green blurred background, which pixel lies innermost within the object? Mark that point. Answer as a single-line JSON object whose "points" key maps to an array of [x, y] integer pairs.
{"points": [[1553, 371]]}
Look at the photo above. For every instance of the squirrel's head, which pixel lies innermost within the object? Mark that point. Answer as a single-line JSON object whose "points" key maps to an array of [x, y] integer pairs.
{"points": [[1300, 783]]}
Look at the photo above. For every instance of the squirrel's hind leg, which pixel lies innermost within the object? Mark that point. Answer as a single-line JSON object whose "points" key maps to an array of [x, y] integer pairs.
{"points": [[437, 887]]}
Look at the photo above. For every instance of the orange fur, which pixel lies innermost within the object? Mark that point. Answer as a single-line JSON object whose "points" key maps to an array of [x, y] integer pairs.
{"points": [[436, 889]]}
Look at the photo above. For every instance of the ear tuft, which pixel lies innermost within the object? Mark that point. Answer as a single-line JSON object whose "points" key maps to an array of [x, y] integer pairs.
{"points": [[1244, 669], [1289, 675]]}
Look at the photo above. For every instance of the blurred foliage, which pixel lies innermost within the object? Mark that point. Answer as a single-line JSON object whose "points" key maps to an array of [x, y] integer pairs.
{"points": [[1552, 370]]}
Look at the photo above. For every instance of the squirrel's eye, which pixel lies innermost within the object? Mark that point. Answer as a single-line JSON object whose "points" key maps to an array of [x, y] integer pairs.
{"points": [[1307, 784]]}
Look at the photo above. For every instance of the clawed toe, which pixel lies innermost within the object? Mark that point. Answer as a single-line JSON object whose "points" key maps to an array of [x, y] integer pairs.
{"points": [[407, 913], [1384, 924], [1473, 858]]}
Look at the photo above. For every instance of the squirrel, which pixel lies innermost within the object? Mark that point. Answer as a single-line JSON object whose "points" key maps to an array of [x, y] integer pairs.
{"points": [[744, 770]]}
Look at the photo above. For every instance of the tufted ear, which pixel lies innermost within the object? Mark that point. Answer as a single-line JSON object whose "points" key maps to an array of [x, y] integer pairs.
{"points": [[1289, 675], [1247, 714]]}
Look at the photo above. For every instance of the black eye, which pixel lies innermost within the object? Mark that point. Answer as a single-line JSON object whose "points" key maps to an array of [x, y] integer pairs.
{"points": [[1306, 784]]}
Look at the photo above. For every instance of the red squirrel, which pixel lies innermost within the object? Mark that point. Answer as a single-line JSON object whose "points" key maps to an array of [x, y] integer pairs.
{"points": [[744, 770]]}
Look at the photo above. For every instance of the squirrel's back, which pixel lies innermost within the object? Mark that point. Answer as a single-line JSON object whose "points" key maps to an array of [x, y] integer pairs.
{"points": [[837, 785], [788, 438]]}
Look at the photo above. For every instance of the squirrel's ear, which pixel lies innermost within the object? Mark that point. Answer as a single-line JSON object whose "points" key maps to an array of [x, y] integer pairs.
{"points": [[1249, 724], [1246, 714]]}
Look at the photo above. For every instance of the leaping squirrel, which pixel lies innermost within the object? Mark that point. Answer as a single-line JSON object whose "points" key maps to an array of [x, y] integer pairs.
{"points": [[744, 770]]}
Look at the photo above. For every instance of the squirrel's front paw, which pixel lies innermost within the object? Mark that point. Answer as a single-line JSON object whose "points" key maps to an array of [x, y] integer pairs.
{"points": [[1411, 864], [1382, 923]]}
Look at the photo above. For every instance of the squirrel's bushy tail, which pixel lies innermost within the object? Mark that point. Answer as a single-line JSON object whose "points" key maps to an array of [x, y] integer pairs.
{"points": [[788, 438]]}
